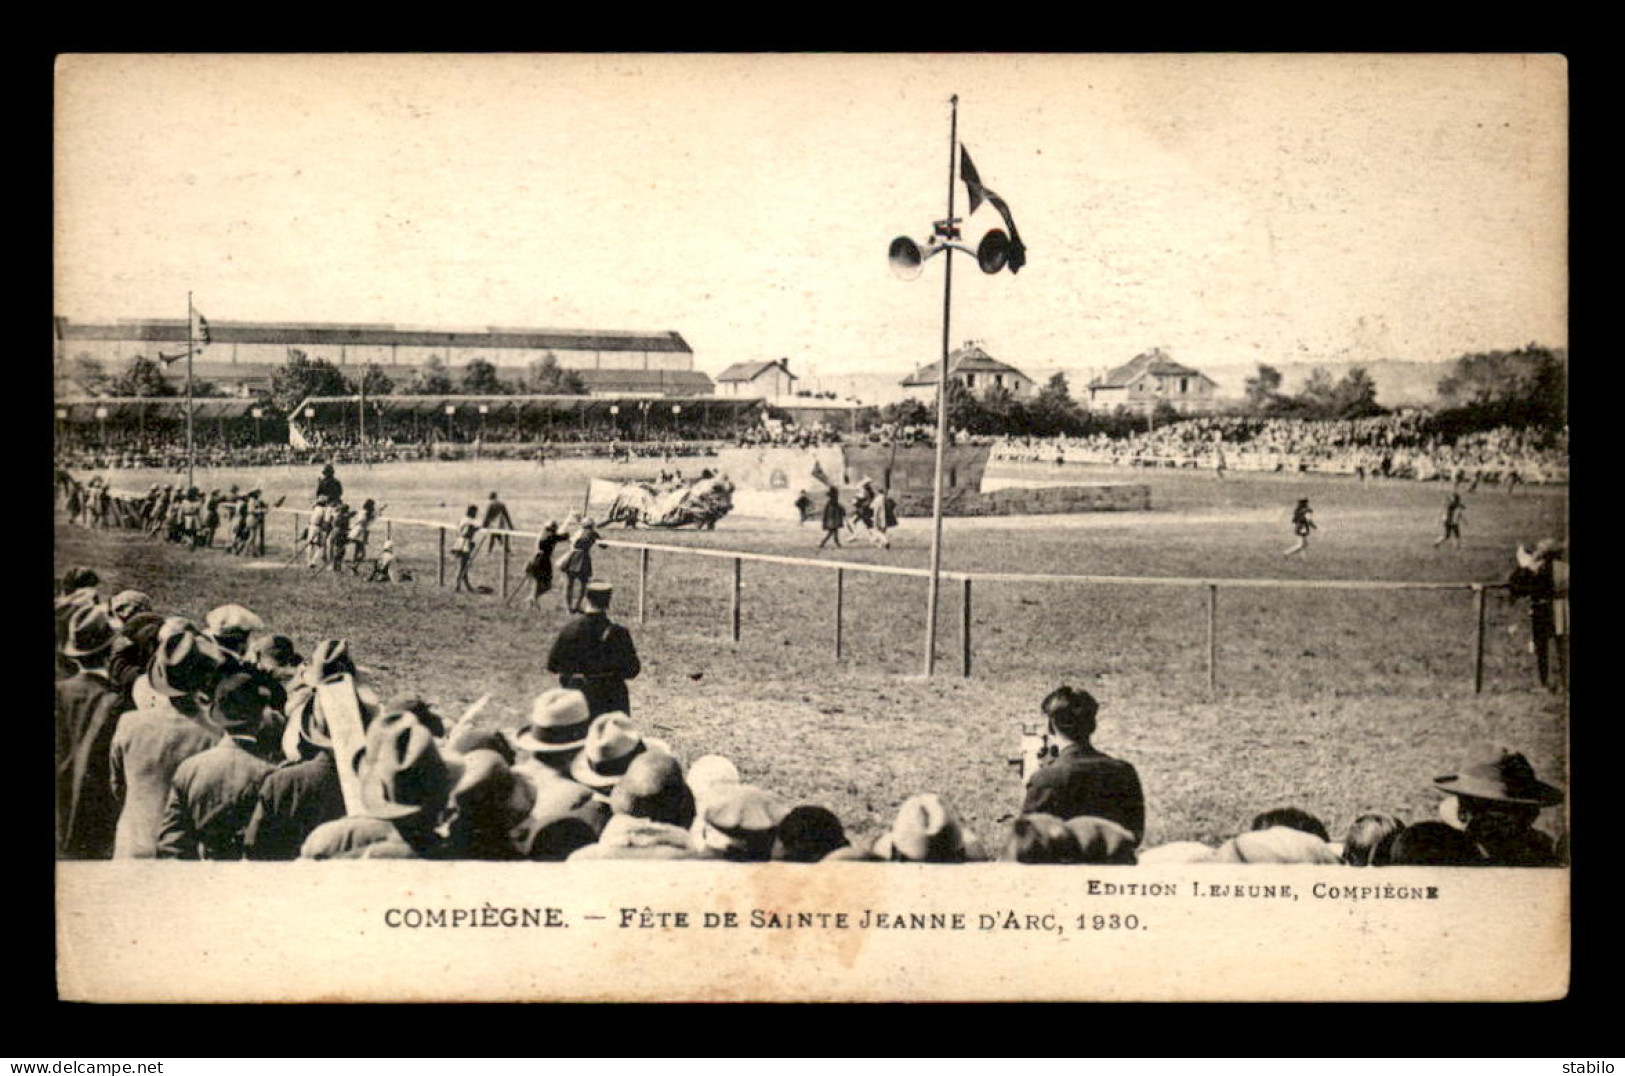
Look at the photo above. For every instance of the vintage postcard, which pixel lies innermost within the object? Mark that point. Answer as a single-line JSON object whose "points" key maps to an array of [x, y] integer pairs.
{"points": [[582, 488]]}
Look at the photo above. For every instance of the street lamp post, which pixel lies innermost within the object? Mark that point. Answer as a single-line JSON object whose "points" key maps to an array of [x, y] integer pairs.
{"points": [[907, 257], [101, 419], [258, 413], [451, 409], [479, 446]]}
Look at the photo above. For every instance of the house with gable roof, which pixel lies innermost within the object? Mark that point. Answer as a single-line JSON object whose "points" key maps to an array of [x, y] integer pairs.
{"points": [[974, 369], [761, 380], [1149, 379]]}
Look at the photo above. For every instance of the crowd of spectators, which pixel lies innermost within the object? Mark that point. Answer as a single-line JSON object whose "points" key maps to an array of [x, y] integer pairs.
{"points": [[1401, 445], [211, 738]]}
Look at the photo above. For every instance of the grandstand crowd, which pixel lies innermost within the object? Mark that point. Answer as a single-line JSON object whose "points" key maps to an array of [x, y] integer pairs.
{"points": [[213, 738], [1401, 445]]}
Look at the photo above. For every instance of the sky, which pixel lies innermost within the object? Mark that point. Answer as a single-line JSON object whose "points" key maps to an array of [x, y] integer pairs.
{"points": [[1226, 208]]}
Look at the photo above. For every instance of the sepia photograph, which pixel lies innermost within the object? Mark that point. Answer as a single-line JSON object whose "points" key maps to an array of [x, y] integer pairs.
{"points": [[794, 527]]}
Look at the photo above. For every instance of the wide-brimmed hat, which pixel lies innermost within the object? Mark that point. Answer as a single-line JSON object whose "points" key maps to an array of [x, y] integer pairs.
{"points": [[1278, 844], [276, 650], [185, 662], [402, 772], [1101, 840], [330, 658], [708, 773], [79, 579], [559, 720], [127, 603], [926, 830], [240, 702], [89, 632], [611, 745], [1509, 779], [653, 788], [808, 834], [410, 702], [1041, 838], [566, 816], [232, 624], [490, 794], [468, 739], [741, 822]]}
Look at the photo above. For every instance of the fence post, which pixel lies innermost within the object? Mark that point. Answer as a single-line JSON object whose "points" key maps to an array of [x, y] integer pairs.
{"points": [[440, 568], [1478, 639], [389, 530], [643, 585], [296, 532], [964, 629], [502, 581], [737, 571], [1212, 638], [840, 599]]}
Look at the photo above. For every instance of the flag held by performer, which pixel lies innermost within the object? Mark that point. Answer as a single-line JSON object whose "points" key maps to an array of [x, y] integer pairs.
{"points": [[978, 194]]}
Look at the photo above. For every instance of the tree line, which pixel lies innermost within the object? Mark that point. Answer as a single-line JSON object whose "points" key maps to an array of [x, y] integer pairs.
{"points": [[1527, 387]]}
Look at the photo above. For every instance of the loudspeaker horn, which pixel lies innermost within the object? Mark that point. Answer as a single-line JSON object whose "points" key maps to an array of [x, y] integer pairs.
{"points": [[994, 251], [906, 258]]}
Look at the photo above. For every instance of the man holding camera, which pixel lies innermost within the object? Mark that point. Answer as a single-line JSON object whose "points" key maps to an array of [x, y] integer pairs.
{"points": [[1079, 780]]}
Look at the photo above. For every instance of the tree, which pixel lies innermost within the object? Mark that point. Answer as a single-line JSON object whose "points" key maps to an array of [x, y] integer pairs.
{"points": [[1053, 410], [143, 377], [374, 382], [909, 412], [1356, 395], [431, 378], [89, 372], [546, 376], [302, 376], [1263, 387], [480, 379], [1528, 386], [965, 411], [1319, 392]]}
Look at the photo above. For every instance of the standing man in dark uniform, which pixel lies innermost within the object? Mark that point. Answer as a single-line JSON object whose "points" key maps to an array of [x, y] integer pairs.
{"points": [[595, 655], [329, 486]]}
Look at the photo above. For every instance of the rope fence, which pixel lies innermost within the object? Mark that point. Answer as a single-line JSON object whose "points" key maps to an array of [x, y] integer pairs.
{"points": [[1209, 586]]}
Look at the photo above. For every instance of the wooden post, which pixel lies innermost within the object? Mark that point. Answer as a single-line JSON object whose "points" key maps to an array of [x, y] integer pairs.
{"points": [[296, 531], [964, 630], [440, 572], [643, 585], [738, 570], [502, 579], [1212, 638], [840, 601], [1478, 639], [389, 530]]}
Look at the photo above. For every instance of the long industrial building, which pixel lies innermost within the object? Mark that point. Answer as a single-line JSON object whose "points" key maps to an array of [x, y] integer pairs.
{"points": [[241, 356]]}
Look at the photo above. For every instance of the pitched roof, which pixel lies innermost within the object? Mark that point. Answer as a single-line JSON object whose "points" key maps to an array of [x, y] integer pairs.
{"points": [[1152, 362], [750, 371], [315, 334], [968, 359]]}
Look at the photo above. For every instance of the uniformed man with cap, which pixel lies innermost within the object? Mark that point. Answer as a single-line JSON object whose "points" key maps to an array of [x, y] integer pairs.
{"points": [[595, 655], [329, 486]]}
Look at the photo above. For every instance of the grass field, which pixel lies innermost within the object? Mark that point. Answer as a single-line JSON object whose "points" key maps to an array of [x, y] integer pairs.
{"points": [[1339, 702]]}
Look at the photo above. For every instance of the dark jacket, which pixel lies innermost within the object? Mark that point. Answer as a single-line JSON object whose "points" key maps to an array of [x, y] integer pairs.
{"points": [[1083, 781], [148, 747], [294, 799], [595, 655], [87, 709], [210, 803]]}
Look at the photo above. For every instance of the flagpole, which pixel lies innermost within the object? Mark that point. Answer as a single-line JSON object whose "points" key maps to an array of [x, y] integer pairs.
{"points": [[189, 449], [932, 591]]}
